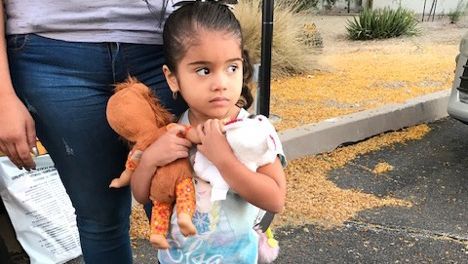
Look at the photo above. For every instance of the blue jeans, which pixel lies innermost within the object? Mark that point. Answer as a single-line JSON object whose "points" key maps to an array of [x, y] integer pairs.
{"points": [[65, 86]]}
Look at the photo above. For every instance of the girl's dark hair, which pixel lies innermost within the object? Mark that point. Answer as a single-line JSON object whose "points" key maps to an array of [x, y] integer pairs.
{"points": [[180, 30]]}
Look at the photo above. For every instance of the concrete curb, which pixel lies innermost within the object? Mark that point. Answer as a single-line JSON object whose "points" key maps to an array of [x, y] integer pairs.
{"points": [[331, 133]]}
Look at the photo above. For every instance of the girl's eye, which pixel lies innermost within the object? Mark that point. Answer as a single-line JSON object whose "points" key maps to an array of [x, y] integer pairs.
{"points": [[203, 71], [232, 68]]}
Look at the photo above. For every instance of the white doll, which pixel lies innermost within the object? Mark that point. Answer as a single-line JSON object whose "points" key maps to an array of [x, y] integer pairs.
{"points": [[252, 143]]}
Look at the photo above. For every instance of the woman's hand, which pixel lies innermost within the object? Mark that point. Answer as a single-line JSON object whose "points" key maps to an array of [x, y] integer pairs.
{"points": [[17, 132], [214, 145]]}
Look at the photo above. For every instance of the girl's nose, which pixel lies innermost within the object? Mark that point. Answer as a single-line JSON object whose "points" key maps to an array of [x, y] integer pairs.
{"points": [[220, 82]]}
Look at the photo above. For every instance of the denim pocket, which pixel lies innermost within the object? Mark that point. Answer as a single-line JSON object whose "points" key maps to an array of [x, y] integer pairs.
{"points": [[17, 42]]}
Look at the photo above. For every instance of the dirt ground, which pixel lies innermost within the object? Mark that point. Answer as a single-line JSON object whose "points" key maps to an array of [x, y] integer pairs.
{"points": [[353, 76]]}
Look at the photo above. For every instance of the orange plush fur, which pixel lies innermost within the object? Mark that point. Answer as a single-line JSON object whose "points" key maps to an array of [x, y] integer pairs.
{"points": [[137, 116]]}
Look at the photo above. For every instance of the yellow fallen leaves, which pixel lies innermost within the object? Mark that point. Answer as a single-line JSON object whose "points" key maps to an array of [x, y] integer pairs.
{"points": [[363, 79], [313, 198], [382, 167], [139, 227]]}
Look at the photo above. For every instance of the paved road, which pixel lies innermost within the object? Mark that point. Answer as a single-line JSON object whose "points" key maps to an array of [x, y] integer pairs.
{"points": [[432, 173]]}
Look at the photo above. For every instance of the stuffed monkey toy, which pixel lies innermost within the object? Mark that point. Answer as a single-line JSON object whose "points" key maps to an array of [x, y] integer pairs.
{"points": [[137, 116]]}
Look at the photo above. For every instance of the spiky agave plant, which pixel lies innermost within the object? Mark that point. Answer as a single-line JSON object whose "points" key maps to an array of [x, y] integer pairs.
{"points": [[382, 23]]}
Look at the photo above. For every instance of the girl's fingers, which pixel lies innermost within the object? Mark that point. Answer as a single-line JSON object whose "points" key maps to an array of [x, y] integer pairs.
{"points": [[175, 128], [183, 142], [212, 128], [178, 131], [208, 126], [180, 146], [182, 154], [219, 126], [201, 132], [199, 147], [215, 125]]}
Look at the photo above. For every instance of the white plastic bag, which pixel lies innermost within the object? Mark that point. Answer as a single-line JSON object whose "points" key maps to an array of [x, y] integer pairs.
{"points": [[41, 211]]}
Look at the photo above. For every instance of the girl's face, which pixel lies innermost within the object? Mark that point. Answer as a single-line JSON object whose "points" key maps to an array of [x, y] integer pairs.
{"points": [[209, 76]]}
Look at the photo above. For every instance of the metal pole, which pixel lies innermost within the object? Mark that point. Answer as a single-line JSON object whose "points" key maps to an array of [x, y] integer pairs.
{"points": [[264, 79], [430, 11], [265, 59], [424, 9]]}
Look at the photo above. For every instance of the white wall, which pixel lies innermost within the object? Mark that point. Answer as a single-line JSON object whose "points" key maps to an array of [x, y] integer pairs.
{"points": [[443, 6]]}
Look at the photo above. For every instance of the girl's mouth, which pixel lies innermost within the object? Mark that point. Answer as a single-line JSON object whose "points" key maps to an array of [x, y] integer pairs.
{"points": [[221, 101], [219, 98]]}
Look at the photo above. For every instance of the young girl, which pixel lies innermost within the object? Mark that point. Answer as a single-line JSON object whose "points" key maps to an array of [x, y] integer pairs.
{"points": [[206, 65]]}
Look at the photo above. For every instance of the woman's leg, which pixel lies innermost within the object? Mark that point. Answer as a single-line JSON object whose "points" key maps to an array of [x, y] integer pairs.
{"points": [[145, 63], [66, 87]]}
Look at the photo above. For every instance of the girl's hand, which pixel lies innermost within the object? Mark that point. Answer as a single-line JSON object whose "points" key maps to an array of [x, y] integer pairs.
{"points": [[167, 148], [17, 132], [214, 145]]}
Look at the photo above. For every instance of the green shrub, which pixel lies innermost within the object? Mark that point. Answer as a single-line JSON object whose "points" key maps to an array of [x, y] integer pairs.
{"points": [[382, 23], [290, 53]]}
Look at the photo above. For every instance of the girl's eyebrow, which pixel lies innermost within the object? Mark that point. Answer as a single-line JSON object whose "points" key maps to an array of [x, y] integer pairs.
{"points": [[208, 62]]}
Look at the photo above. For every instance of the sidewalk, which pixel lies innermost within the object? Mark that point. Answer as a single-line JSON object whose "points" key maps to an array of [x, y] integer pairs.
{"points": [[331, 133]]}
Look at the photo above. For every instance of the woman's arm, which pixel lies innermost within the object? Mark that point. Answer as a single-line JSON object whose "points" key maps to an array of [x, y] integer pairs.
{"points": [[164, 150], [265, 188], [19, 136]]}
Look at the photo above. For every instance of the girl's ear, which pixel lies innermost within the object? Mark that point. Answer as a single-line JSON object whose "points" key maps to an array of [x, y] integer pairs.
{"points": [[171, 79]]}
